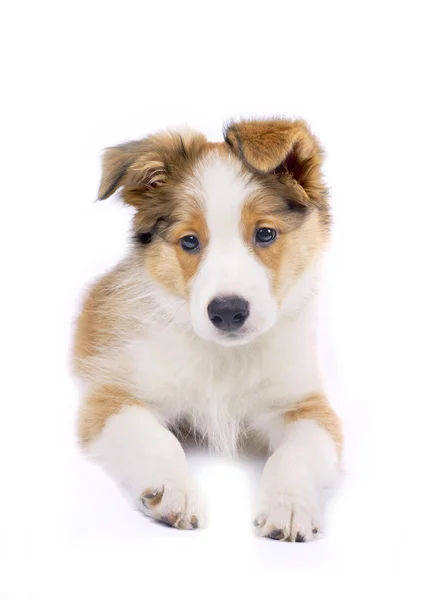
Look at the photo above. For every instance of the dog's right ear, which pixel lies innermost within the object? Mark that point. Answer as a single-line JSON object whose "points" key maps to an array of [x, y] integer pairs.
{"points": [[144, 164]]}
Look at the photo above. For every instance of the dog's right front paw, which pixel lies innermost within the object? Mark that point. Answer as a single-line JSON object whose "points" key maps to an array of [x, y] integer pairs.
{"points": [[174, 505]]}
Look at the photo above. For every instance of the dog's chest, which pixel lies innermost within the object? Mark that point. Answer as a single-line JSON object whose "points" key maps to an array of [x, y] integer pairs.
{"points": [[216, 390], [177, 369], [183, 376]]}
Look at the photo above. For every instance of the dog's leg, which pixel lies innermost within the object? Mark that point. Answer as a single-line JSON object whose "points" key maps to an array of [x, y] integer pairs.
{"points": [[307, 444], [141, 455]]}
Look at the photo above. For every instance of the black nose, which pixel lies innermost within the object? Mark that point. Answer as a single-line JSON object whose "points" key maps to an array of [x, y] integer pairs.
{"points": [[228, 313]]}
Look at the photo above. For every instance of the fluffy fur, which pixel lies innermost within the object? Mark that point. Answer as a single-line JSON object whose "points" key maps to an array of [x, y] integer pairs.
{"points": [[150, 355]]}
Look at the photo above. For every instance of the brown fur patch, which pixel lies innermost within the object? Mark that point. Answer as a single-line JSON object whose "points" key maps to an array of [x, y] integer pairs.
{"points": [[266, 210], [316, 407], [167, 262], [282, 147], [285, 159], [98, 407], [146, 164], [97, 324], [301, 234], [109, 318], [163, 266], [153, 173], [282, 155]]}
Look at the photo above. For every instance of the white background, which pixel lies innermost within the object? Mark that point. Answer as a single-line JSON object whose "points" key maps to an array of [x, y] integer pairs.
{"points": [[78, 76]]}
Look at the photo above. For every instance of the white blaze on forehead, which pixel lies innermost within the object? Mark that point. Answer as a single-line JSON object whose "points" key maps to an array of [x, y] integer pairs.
{"points": [[223, 189], [228, 267]]}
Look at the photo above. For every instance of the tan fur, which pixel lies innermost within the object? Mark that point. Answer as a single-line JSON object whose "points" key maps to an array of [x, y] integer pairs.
{"points": [[167, 262], [142, 164], [97, 324], [283, 146], [98, 407], [300, 238], [301, 248], [286, 160], [282, 156], [153, 173], [316, 407], [107, 321], [163, 265], [192, 222]]}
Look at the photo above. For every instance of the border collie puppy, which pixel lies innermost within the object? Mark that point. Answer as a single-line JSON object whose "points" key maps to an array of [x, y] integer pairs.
{"points": [[210, 322]]}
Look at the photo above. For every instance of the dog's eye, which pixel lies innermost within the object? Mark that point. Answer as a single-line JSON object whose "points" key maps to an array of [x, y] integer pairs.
{"points": [[190, 243], [265, 236]]}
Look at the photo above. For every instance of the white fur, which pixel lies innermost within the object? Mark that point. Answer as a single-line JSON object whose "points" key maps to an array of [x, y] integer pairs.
{"points": [[141, 455], [225, 391], [300, 469], [229, 268], [182, 370]]}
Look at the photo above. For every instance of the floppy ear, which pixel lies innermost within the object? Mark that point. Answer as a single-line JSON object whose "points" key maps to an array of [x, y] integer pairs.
{"points": [[116, 164], [144, 164], [280, 146]]}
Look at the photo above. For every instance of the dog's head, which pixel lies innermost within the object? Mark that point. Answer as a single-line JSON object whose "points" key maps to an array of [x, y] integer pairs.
{"points": [[228, 227]]}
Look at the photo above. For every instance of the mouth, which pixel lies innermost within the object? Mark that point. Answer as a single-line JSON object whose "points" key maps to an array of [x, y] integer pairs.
{"points": [[235, 339]]}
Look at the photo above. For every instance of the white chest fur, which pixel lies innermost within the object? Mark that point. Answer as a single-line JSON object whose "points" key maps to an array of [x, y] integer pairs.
{"points": [[220, 390]]}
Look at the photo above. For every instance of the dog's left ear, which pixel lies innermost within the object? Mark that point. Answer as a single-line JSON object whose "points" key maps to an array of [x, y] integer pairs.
{"points": [[284, 147]]}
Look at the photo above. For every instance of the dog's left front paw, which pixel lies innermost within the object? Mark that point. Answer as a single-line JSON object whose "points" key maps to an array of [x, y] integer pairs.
{"points": [[287, 518]]}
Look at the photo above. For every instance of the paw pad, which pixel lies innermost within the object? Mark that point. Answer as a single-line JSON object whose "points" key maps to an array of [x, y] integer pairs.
{"points": [[275, 534], [170, 519]]}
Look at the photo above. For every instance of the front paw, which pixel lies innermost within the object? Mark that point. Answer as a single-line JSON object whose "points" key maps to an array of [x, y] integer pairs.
{"points": [[177, 506], [288, 517]]}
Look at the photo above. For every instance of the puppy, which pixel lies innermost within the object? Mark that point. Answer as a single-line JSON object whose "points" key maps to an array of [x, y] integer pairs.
{"points": [[210, 322]]}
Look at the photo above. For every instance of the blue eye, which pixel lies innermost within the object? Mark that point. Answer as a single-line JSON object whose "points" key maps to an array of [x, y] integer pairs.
{"points": [[190, 243], [265, 236]]}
